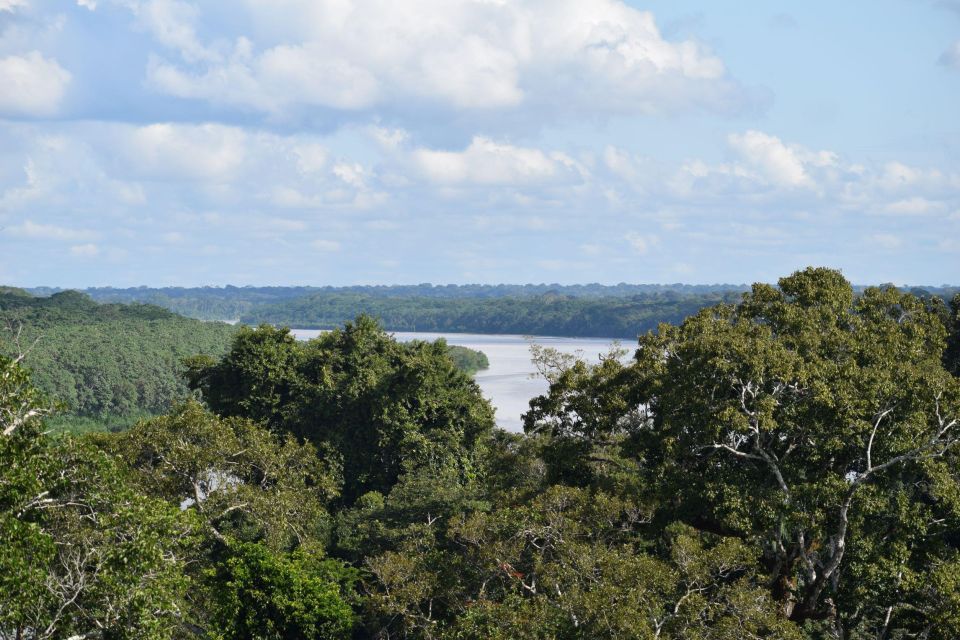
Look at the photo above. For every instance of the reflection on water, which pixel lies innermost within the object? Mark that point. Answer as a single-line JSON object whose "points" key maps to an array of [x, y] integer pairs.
{"points": [[511, 380]]}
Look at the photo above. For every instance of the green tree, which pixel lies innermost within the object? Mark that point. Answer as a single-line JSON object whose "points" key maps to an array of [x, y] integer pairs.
{"points": [[384, 406], [243, 481], [816, 425], [265, 595], [259, 502], [84, 555], [951, 357]]}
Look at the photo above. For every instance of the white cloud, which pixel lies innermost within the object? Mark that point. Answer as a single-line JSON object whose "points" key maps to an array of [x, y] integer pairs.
{"points": [[12, 5], [641, 243], [177, 151], [464, 54], [489, 163], [324, 245], [771, 158], [885, 241], [951, 57], [352, 174], [915, 206], [626, 166], [389, 139], [311, 157], [897, 177], [768, 170], [173, 24], [32, 85], [89, 250], [42, 231]]}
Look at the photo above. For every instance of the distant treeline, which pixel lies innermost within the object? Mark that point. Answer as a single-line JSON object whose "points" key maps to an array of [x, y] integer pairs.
{"points": [[549, 314], [110, 364], [621, 310], [230, 303]]}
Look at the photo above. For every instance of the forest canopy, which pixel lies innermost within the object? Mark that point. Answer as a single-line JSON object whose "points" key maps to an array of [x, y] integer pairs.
{"points": [[785, 467], [545, 315], [109, 364], [105, 362]]}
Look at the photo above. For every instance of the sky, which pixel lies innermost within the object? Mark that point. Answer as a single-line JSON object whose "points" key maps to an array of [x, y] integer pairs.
{"points": [[336, 142]]}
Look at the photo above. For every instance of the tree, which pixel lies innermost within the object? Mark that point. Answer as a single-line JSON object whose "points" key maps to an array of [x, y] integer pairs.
{"points": [[818, 426], [574, 564], [951, 357], [255, 379], [281, 596], [84, 555], [259, 502], [385, 407], [243, 481]]}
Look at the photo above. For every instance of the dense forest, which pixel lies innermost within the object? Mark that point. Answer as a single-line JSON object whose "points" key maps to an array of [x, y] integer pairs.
{"points": [[545, 315], [590, 310], [230, 302], [106, 363], [338, 304], [110, 364], [786, 466]]}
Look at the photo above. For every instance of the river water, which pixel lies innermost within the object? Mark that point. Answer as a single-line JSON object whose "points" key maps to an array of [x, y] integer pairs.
{"points": [[512, 380]]}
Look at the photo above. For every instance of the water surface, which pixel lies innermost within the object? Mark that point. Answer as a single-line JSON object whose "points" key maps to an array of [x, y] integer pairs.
{"points": [[512, 380]]}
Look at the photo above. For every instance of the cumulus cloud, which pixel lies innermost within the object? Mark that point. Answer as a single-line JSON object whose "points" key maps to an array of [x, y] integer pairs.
{"points": [[173, 24], [88, 250], [171, 184], [179, 151], [12, 5], [42, 231], [33, 85], [771, 158], [486, 162], [604, 56]]}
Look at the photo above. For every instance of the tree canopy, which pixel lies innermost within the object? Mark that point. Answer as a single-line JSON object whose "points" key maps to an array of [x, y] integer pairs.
{"points": [[783, 467], [387, 407], [108, 362]]}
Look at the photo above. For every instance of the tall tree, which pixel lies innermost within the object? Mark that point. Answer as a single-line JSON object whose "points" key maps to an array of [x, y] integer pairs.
{"points": [[386, 407], [821, 427]]}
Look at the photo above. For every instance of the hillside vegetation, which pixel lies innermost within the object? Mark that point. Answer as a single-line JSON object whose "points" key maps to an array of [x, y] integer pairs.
{"points": [[109, 364], [106, 362]]}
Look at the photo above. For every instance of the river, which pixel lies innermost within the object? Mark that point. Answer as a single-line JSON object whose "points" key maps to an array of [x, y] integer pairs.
{"points": [[511, 381]]}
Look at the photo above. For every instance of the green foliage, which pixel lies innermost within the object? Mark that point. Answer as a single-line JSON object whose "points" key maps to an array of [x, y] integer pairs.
{"points": [[467, 360], [785, 467], [265, 595], [106, 362], [384, 406], [951, 357], [815, 425], [83, 553], [550, 314], [243, 482]]}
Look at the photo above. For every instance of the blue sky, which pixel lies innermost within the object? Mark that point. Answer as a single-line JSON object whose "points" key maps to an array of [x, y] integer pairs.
{"points": [[179, 142]]}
